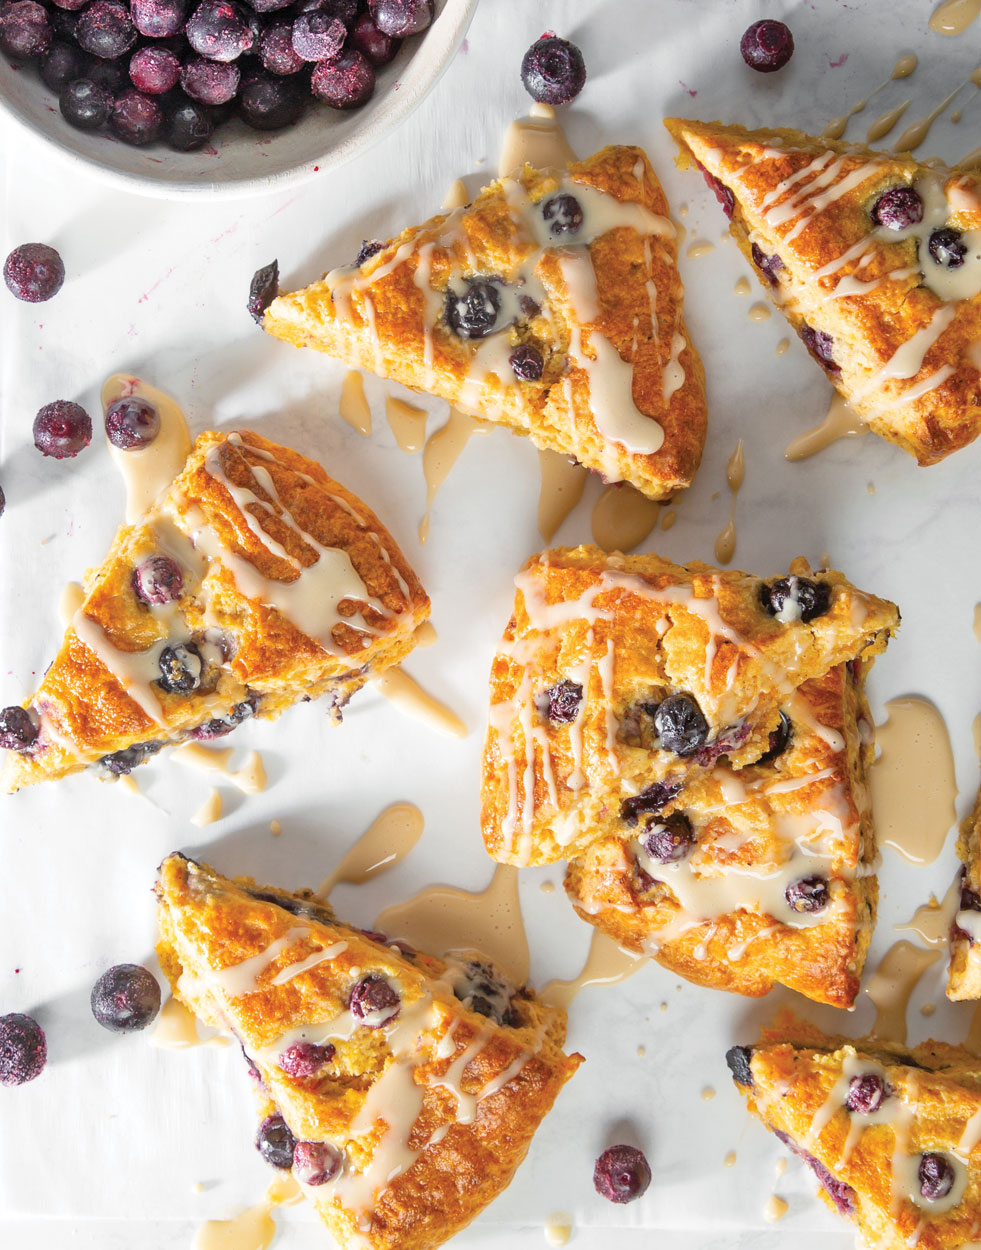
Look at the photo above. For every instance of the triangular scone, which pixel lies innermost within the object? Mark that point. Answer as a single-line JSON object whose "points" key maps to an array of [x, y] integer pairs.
{"points": [[893, 1135], [891, 310], [287, 587], [552, 304], [618, 676], [432, 1077], [964, 972], [764, 876]]}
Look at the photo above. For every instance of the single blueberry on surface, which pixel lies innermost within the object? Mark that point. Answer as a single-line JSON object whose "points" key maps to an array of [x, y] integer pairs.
{"points": [[807, 895], [33, 272], [936, 1175], [670, 840], [795, 595], [866, 1093], [187, 126], [897, 208], [316, 1162], [947, 248], [181, 667], [23, 1049], [621, 1174], [345, 82], [62, 429], [526, 363], [305, 1058], [136, 119], [132, 423], [373, 43], [125, 998], [738, 1061], [401, 18], [18, 729], [121, 763], [275, 1142], [374, 1002], [680, 724], [263, 289], [553, 70], [769, 266], [473, 315], [220, 30], [563, 214], [650, 800], [25, 32], [106, 30], [157, 580], [767, 46], [560, 703]]}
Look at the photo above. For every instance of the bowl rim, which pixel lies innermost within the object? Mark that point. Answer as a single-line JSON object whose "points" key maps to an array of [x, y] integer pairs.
{"points": [[440, 42]]}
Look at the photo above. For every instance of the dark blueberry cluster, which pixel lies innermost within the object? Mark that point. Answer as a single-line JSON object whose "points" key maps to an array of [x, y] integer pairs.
{"points": [[560, 703], [125, 998], [621, 1174], [121, 763], [174, 70], [812, 598], [482, 988], [650, 801]]}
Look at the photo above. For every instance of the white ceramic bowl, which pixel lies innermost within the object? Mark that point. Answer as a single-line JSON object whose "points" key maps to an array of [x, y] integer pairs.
{"points": [[242, 161]]}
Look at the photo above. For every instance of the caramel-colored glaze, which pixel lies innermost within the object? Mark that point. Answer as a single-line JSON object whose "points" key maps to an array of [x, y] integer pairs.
{"points": [[385, 843], [563, 482], [892, 984], [623, 517]]}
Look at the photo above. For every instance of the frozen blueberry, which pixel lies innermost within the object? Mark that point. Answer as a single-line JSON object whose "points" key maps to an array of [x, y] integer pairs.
{"points": [[154, 71], [136, 119], [560, 703], [269, 6], [18, 729], [132, 423], [70, 6], [374, 1002], [769, 266], [738, 1059], [125, 998], [220, 30], [651, 800], [275, 1142], [316, 1162], [936, 1175], [373, 43], [621, 1174], [474, 314], [180, 668], [159, 19], [111, 75], [25, 32], [318, 36], [23, 1050], [63, 23], [106, 30], [866, 1093], [62, 65], [779, 740], [263, 290], [808, 894], [62, 429], [305, 1058], [187, 126], [33, 272], [946, 248], [553, 71], [821, 346], [346, 82], [812, 599], [122, 763], [680, 724], [670, 840], [401, 18], [767, 46], [563, 213], [268, 103], [210, 82], [157, 580], [721, 192], [276, 49], [897, 208]]}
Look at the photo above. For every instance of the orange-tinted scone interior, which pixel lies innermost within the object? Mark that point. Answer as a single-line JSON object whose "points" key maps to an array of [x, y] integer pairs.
{"points": [[893, 1134], [871, 257], [419, 1081], [552, 304], [964, 970], [254, 581], [766, 875]]}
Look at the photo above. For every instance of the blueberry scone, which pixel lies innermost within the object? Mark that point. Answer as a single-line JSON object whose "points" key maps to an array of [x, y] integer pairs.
{"points": [[620, 679], [874, 258], [402, 1091], [252, 581], [964, 971], [893, 1135], [552, 304]]}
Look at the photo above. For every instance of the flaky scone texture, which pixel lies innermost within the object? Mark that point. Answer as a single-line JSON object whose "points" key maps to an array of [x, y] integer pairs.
{"points": [[720, 915], [900, 327], [599, 303], [798, 1081], [291, 588], [431, 1110], [598, 643], [964, 970]]}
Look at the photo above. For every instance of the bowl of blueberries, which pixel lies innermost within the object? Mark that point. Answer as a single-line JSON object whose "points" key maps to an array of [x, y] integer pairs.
{"points": [[220, 97]]}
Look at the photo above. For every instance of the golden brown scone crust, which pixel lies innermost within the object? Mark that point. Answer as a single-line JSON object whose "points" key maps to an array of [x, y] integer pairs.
{"points": [[85, 711], [632, 631], [886, 304], [209, 924], [795, 1069], [964, 970], [380, 322], [759, 821]]}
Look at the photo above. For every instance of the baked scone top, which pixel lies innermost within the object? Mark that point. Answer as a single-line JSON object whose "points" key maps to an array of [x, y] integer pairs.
{"points": [[618, 675], [286, 586], [893, 1134], [552, 303], [875, 259], [431, 1095]]}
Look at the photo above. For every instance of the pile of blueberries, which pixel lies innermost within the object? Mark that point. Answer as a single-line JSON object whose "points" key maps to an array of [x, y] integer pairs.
{"points": [[174, 70]]}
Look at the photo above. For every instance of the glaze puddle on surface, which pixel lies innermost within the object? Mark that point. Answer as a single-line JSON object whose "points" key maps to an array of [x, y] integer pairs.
{"points": [[902, 69], [759, 312], [353, 405], [725, 543], [931, 921], [146, 471], [442, 918], [254, 1228], [536, 140], [558, 1228], [840, 422], [891, 985], [914, 789], [250, 778], [953, 17], [209, 811], [775, 1209], [409, 697], [606, 964], [699, 248], [563, 482], [442, 450], [730, 1160], [914, 135], [623, 517], [407, 422], [176, 1028], [385, 843]]}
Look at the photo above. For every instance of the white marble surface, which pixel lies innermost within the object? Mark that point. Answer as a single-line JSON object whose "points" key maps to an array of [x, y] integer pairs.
{"points": [[105, 1149]]}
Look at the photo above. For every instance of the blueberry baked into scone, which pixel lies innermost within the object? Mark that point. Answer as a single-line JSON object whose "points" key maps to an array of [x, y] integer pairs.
{"points": [[696, 743], [253, 581], [875, 260], [552, 304], [964, 970], [892, 1134], [403, 1091]]}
